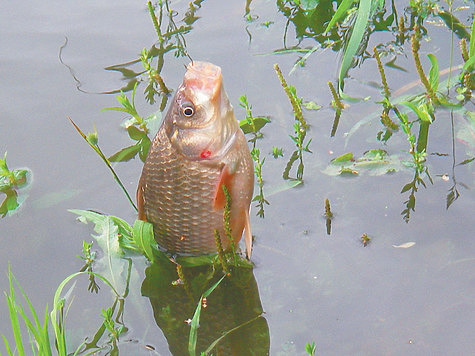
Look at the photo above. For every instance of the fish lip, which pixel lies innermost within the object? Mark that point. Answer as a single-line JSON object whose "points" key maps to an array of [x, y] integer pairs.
{"points": [[204, 80]]}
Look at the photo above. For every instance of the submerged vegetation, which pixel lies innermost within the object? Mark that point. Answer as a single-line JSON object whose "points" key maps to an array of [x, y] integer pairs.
{"points": [[405, 113]]}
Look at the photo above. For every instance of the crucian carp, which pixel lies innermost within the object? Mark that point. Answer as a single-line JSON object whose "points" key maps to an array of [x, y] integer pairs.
{"points": [[198, 148]]}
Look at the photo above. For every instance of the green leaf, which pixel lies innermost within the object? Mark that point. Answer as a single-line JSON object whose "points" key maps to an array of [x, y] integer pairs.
{"points": [[434, 72], [10, 203], [135, 133], [144, 148], [359, 29], [342, 9], [143, 236], [453, 24], [374, 155], [125, 154], [347, 157], [112, 265], [468, 66], [308, 5], [472, 40], [258, 123], [407, 187], [311, 105], [3, 165], [310, 348], [420, 111]]}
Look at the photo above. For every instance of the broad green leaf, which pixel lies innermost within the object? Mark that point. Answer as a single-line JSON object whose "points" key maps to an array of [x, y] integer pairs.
{"points": [[10, 203], [125, 154], [135, 133], [434, 72], [373, 155], [420, 111], [258, 123], [468, 66], [453, 24], [359, 29], [347, 157], [374, 162], [143, 236], [407, 187], [111, 265], [144, 148], [3, 164]]}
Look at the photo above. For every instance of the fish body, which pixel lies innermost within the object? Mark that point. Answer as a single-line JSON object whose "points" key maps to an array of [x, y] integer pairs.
{"points": [[198, 148]]}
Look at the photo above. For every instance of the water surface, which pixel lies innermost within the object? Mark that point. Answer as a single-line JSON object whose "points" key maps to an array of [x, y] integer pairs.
{"points": [[349, 299]]}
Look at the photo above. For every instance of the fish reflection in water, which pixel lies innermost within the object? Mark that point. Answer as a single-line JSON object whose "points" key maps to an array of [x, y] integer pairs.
{"points": [[234, 302]]}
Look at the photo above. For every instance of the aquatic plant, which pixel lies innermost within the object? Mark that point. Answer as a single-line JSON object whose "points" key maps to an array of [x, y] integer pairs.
{"points": [[11, 181], [310, 348], [39, 341], [300, 128], [253, 125]]}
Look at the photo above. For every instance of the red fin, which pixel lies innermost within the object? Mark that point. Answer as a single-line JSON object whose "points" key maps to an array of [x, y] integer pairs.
{"points": [[220, 198], [247, 235], [140, 203]]}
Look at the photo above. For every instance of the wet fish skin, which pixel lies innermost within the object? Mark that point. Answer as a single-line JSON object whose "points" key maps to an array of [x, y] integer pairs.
{"points": [[198, 148]]}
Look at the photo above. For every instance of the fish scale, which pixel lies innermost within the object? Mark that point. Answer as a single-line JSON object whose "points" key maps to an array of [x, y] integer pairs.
{"points": [[176, 192]]}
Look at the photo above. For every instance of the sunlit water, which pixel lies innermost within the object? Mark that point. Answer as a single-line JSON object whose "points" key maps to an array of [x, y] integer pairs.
{"points": [[349, 299]]}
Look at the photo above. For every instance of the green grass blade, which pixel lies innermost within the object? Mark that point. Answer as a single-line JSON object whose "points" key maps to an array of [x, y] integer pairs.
{"points": [[359, 29], [196, 319], [215, 342], [14, 316], [58, 327], [7, 346], [472, 40]]}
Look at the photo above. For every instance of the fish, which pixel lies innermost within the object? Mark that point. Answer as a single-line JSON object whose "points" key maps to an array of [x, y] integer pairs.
{"points": [[198, 148]]}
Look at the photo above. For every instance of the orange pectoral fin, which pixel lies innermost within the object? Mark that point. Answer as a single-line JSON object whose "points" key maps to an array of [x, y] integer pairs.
{"points": [[247, 235], [140, 203], [226, 180]]}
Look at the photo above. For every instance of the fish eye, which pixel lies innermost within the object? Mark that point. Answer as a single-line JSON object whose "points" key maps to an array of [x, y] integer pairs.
{"points": [[188, 110]]}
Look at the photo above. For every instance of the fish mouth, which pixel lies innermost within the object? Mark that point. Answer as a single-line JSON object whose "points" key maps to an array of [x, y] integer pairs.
{"points": [[204, 80]]}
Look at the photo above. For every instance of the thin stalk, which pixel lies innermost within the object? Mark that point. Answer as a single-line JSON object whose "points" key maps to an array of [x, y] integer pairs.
{"points": [[96, 148]]}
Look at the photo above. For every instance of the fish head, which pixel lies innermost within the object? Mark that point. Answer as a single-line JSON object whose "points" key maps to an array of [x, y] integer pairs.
{"points": [[200, 122]]}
